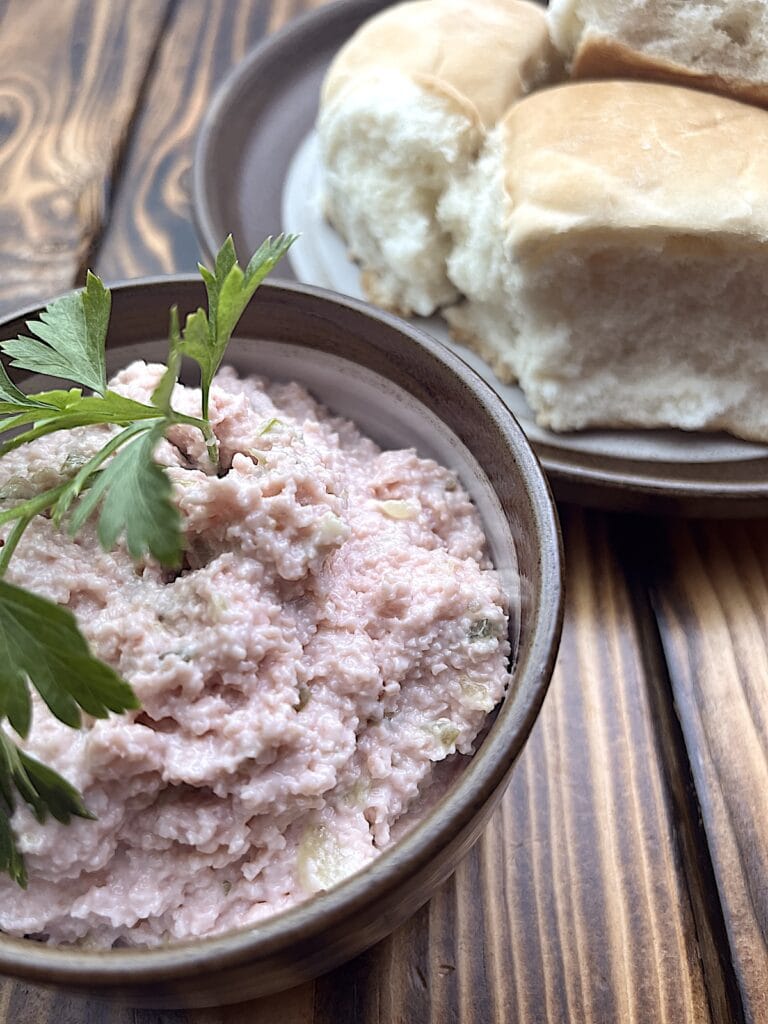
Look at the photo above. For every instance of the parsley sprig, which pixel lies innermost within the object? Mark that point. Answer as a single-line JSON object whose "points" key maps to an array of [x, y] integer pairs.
{"points": [[129, 493]]}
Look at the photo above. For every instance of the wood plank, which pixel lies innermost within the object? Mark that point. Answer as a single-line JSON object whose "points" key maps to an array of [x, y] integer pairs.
{"points": [[70, 74], [712, 605], [151, 230]]}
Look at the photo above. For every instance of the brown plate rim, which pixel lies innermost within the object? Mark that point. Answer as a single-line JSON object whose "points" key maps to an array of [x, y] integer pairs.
{"points": [[729, 488]]}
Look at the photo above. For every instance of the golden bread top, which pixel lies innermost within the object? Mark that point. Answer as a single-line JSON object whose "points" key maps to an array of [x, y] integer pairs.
{"points": [[480, 54], [656, 162]]}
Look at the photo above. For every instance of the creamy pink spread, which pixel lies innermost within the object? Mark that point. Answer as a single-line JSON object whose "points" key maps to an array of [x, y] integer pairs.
{"points": [[336, 630]]}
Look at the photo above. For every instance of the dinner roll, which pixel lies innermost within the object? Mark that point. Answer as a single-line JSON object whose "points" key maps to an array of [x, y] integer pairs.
{"points": [[612, 242], [719, 45], [405, 104]]}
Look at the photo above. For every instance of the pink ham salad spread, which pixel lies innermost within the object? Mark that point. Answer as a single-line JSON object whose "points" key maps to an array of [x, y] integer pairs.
{"points": [[336, 630]]}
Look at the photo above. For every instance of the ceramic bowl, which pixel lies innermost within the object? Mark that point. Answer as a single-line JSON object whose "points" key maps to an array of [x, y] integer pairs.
{"points": [[403, 389]]}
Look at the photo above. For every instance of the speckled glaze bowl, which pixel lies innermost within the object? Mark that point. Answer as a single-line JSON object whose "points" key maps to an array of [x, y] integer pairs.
{"points": [[403, 389]]}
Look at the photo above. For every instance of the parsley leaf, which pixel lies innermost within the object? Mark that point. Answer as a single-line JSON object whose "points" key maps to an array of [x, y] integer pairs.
{"points": [[72, 333], [11, 861], [136, 497], [39, 785], [72, 489], [43, 789], [40, 643], [230, 289], [195, 342], [14, 401]]}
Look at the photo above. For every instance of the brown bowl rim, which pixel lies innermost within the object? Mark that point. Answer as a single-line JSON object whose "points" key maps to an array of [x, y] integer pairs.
{"points": [[130, 968]]}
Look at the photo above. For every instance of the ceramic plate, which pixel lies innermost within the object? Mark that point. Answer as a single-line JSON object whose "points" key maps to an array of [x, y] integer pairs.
{"points": [[257, 172]]}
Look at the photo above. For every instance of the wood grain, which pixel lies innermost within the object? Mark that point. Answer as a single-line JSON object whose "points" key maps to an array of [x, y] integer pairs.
{"points": [[150, 230], [70, 74], [712, 605]]}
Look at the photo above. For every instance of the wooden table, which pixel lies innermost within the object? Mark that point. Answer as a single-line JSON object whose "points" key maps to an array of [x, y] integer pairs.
{"points": [[625, 877]]}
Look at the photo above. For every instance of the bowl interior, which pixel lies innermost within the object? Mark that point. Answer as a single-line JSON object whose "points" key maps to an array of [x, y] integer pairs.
{"points": [[382, 409], [405, 390]]}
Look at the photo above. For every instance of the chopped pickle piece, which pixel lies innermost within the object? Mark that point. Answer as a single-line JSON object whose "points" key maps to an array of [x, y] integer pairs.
{"points": [[484, 629], [445, 732], [476, 696], [398, 509], [321, 862], [270, 425]]}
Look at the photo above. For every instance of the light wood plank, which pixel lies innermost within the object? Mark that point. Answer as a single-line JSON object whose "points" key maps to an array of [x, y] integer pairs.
{"points": [[70, 74], [712, 605]]}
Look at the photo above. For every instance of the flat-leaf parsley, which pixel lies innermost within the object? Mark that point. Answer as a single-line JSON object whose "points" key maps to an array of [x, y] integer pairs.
{"points": [[41, 645]]}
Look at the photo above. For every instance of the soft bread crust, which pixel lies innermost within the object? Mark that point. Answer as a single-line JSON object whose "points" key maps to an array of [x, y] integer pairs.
{"points": [[635, 159], [405, 106], [480, 55], [612, 245], [601, 56], [650, 40]]}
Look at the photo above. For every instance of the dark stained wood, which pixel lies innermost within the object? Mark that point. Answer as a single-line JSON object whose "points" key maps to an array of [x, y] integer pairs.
{"points": [[70, 74], [712, 605], [24, 1005], [151, 231], [723, 991]]}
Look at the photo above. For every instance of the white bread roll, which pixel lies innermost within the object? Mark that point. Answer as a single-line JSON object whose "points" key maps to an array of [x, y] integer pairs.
{"points": [[613, 245], [405, 104], [718, 45]]}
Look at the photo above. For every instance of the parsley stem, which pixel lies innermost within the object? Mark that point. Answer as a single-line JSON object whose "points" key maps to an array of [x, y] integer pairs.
{"points": [[213, 451], [190, 421], [24, 513], [52, 426], [12, 541], [212, 446], [33, 506]]}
